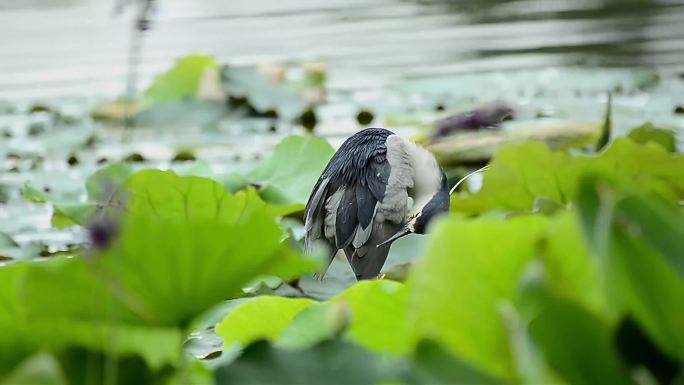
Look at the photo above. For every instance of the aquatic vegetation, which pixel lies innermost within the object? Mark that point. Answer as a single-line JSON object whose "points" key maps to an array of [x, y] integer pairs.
{"points": [[174, 265]]}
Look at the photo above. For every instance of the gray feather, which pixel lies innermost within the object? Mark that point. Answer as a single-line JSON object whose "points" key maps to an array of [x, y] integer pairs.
{"points": [[394, 204], [330, 219], [314, 215], [315, 204]]}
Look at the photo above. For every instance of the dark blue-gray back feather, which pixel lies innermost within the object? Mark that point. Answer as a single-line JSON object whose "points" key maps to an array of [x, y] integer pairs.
{"points": [[359, 167]]}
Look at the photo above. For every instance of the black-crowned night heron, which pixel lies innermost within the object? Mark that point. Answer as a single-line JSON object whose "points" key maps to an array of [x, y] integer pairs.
{"points": [[378, 187]]}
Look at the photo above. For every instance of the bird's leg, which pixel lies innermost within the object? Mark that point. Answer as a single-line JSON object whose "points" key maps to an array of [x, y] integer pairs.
{"points": [[381, 276]]}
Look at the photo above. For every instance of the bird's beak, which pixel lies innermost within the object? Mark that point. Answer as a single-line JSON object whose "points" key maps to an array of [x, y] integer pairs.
{"points": [[406, 230]]}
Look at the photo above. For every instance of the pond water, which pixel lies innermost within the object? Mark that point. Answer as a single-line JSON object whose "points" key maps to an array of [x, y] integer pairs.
{"points": [[80, 47]]}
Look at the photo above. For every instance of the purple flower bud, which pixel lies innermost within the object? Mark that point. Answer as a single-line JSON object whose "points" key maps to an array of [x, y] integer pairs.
{"points": [[102, 232]]}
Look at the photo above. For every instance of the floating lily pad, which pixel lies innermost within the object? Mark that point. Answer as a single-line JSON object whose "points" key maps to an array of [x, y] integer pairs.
{"points": [[288, 176], [649, 133], [184, 114], [102, 188], [262, 94], [182, 82]]}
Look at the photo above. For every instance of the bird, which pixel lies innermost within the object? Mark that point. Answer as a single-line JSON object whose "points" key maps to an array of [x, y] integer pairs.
{"points": [[377, 188]]}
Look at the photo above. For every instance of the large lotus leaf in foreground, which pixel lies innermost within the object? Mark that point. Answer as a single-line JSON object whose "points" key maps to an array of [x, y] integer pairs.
{"points": [[182, 245], [469, 267], [187, 244], [639, 241]]}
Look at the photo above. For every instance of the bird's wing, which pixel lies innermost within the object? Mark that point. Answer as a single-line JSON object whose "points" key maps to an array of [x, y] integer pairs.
{"points": [[342, 214], [358, 205], [356, 228], [367, 260], [344, 206]]}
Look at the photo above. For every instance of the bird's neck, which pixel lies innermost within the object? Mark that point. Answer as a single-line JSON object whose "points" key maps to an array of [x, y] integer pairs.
{"points": [[427, 176]]}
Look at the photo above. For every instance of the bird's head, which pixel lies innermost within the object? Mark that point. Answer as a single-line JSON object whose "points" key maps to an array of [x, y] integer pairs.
{"points": [[419, 220]]}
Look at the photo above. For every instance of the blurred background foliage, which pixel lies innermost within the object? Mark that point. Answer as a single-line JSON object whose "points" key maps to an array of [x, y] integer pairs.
{"points": [[156, 161]]}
